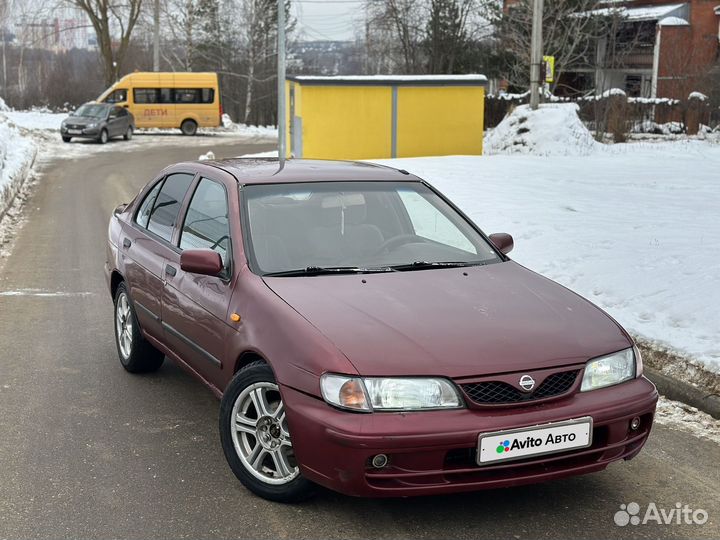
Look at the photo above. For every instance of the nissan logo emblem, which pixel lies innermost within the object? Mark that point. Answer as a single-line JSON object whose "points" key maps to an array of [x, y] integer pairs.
{"points": [[527, 383]]}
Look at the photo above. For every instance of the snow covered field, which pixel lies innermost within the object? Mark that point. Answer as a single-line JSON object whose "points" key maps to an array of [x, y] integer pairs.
{"points": [[634, 228]]}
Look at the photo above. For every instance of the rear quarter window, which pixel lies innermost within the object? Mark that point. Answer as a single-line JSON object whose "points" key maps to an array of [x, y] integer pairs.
{"points": [[163, 216]]}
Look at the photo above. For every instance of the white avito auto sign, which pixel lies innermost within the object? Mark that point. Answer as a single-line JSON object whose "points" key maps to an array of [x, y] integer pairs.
{"points": [[543, 439]]}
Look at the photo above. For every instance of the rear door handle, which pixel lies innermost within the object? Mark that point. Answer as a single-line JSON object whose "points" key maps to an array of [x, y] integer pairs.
{"points": [[170, 270], [127, 243]]}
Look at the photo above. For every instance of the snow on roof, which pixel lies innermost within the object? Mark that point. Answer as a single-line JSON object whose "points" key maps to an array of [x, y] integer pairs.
{"points": [[697, 95], [644, 13], [474, 79], [673, 21]]}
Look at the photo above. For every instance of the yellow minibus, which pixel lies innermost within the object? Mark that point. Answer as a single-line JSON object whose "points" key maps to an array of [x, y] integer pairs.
{"points": [[169, 100]]}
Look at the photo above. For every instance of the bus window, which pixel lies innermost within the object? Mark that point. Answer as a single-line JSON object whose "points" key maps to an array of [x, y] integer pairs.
{"points": [[186, 95], [166, 95], [145, 95], [117, 96], [207, 95]]}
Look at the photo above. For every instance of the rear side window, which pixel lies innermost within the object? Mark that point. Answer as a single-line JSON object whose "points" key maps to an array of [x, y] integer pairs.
{"points": [[167, 205], [206, 224], [146, 207]]}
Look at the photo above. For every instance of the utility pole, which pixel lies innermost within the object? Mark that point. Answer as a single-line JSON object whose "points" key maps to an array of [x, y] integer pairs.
{"points": [[536, 53], [281, 81], [156, 37]]}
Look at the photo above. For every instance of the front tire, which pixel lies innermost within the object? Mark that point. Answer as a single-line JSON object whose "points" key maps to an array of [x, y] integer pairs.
{"points": [[135, 352], [188, 127], [103, 137], [66, 139], [255, 437]]}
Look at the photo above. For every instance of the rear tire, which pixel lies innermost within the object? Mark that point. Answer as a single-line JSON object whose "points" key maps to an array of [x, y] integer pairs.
{"points": [[103, 137], [128, 134], [261, 437], [189, 127], [135, 352]]}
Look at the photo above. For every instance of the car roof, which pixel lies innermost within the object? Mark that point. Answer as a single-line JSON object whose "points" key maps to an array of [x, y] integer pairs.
{"points": [[268, 171]]}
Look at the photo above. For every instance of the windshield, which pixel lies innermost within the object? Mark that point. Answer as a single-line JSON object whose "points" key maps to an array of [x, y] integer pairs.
{"points": [[92, 111], [365, 226]]}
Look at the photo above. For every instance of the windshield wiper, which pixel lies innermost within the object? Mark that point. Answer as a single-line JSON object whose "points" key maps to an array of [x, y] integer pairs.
{"points": [[424, 265], [320, 270]]}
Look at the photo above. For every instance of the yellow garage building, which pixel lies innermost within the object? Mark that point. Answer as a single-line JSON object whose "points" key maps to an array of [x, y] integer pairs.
{"points": [[364, 117]]}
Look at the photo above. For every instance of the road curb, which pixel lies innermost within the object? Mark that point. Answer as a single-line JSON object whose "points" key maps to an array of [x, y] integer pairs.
{"points": [[678, 390], [10, 192]]}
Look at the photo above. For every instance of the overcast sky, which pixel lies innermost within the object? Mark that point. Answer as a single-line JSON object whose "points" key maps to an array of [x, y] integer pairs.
{"points": [[328, 19]]}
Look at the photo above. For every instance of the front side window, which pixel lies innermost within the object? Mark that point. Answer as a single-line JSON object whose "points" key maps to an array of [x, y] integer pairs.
{"points": [[117, 96], [379, 226], [163, 216], [206, 223]]}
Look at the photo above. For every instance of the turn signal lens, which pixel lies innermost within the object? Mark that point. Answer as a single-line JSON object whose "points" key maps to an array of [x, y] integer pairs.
{"points": [[345, 392], [352, 395]]}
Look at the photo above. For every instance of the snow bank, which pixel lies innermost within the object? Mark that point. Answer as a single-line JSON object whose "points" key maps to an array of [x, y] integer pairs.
{"points": [[3, 106], [634, 230], [552, 130], [37, 119], [265, 132], [16, 155]]}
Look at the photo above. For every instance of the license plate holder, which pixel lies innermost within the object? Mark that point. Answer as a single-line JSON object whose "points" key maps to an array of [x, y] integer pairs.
{"points": [[533, 441]]}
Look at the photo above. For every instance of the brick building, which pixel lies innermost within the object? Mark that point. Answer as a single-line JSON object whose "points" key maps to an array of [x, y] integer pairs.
{"points": [[660, 48]]}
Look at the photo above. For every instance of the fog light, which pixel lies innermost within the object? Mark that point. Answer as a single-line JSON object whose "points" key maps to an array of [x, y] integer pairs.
{"points": [[379, 461], [635, 423]]}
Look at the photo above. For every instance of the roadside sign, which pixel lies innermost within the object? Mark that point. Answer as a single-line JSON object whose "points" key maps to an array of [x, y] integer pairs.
{"points": [[549, 62]]}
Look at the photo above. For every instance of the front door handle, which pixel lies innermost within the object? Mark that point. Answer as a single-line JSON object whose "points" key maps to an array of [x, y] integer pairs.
{"points": [[127, 243], [170, 270]]}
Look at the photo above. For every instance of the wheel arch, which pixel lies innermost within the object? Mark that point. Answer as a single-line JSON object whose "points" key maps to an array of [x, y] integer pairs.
{"points": [[116, 279], [247, 358]]}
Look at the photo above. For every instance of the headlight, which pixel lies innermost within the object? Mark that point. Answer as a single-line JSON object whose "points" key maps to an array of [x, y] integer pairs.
{"points": [[609, 370], [389, 394], [91, 126]]}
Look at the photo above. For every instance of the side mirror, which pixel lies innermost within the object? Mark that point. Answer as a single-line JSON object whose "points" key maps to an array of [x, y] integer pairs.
{"points": [[503, 241], [201, 261]]}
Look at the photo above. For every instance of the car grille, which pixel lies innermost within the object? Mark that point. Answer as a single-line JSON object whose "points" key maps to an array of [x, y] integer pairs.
{"points": [[74, 126], [498, 392]]}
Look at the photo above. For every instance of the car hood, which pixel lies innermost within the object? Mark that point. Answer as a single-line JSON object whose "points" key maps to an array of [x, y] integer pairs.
{"points": [[82, 120], [456, 322]]}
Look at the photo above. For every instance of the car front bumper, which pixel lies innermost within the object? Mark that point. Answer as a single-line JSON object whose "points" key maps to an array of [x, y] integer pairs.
{"points": [[84, 133], [433, 452]]}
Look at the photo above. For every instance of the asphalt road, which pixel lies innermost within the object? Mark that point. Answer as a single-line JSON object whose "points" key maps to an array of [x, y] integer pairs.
{"points": [[90, 451]]}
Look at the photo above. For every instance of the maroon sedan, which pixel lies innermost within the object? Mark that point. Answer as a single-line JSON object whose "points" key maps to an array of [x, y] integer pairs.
{"points": [[363, 334]]}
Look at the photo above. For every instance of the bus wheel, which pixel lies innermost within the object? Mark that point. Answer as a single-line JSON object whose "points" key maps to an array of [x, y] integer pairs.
{"points": [[188, 127]]}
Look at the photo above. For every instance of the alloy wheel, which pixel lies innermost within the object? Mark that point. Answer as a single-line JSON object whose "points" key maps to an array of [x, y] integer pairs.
{"points": [[260, 434], [123, 325]]}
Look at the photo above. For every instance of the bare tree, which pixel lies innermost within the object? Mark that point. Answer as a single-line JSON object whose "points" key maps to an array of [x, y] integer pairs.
{"points": [[569, 33], [113, 21], [403, 21]]}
